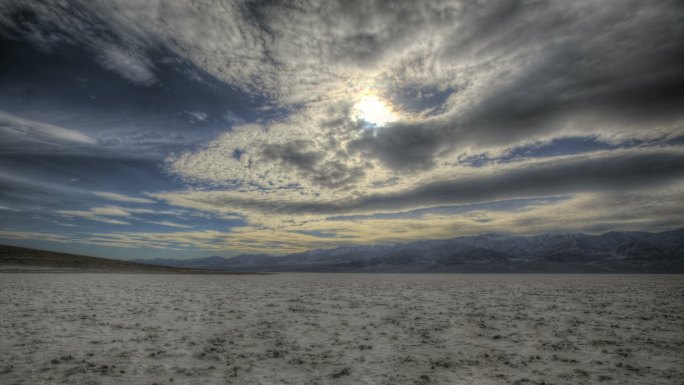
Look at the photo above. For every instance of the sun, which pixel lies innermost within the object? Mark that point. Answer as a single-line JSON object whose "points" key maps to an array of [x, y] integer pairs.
{"points": [[375, 111]]}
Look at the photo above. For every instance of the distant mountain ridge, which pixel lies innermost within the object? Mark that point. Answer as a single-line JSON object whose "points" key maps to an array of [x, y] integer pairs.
{"points": [[619, 252]]}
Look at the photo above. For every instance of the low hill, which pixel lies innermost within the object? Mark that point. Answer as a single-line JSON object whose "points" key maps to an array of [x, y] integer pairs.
{"points": [[20, 259]]}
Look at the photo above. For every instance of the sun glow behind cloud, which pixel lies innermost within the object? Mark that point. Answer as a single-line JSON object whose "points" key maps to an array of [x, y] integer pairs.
{"points": [[375, 111]]}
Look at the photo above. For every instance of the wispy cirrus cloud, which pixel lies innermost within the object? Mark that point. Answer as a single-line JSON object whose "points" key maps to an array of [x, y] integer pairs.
{"points": [[170, 224], [16, 129], [121, 197], [98, 214], [133, 66]]}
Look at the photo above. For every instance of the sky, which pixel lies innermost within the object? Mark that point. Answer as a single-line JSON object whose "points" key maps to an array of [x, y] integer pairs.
{"points": [[185, 128]]}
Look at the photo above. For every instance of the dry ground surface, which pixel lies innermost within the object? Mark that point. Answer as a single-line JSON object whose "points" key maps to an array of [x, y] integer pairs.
{"points": [[341, 329]]}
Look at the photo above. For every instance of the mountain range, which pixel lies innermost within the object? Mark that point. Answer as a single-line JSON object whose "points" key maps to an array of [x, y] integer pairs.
{"points": [[618, 252]]}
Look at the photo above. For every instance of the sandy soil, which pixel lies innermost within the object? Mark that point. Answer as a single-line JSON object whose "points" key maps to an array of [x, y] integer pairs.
{"points": [[341, 329]]}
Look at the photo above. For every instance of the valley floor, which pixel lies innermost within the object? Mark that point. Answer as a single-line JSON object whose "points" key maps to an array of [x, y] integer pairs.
{"points": [[341, 329]]}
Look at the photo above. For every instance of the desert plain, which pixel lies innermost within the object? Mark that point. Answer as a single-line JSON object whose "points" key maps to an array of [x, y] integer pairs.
{"points": [[321, 328]]}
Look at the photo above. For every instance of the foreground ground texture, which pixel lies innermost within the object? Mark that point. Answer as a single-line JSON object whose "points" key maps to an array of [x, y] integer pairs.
{"points": [[341, 329]]}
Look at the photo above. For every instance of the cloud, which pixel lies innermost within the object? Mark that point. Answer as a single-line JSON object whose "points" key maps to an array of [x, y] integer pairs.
{"points": [[116, 44], [121, 197], [619, 184], [598, 171], [98, 214], [27, 131], [563, 175], [589, 212], [170, 224], [208, 240], [108, 220], [102, 214], [198, 116], [34, 235], [115, 214], [517, 71], [405, 147], [110, 211], [117, 211], [129, 64], [468, 80], [516, 74], [279, 156]]}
